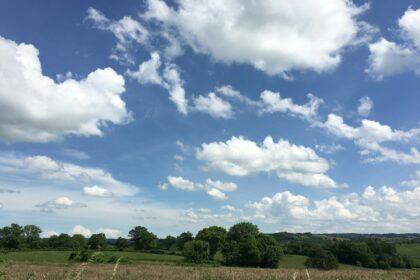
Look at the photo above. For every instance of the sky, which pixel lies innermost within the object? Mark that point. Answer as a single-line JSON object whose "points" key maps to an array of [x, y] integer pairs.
{"points": [[176, 115]]}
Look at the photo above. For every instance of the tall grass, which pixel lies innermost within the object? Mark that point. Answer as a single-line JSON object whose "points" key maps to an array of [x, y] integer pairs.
{"points": [[172, 272]]}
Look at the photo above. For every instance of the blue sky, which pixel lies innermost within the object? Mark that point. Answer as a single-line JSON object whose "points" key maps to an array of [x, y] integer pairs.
{"points": [[179, 115]]}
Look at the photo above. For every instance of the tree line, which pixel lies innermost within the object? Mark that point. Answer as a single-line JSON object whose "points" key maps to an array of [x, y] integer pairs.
{"points": [[242, 245]]}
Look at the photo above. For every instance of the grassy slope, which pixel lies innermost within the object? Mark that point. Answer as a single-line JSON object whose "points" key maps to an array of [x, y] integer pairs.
{"points": [[62, 256], [412, 250], [40, 257]]}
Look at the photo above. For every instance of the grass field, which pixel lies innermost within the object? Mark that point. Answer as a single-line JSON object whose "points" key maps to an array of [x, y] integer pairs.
{"points": [[412, 250], [156, 271]]}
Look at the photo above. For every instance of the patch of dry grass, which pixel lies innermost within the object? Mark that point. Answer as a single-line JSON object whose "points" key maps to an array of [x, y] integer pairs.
{"points": [[170, 272]]}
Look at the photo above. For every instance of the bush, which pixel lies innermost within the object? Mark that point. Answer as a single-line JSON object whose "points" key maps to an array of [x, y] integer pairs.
{"points": [[196, 251], [322, 259]]}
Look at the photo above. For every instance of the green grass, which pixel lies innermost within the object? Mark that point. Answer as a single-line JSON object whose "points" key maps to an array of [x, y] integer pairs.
{"points": [[62, 256], [292, 261], [411, 250]]}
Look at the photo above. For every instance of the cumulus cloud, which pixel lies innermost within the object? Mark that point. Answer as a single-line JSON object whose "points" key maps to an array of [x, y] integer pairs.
{"points": [[150, 72], [241, 157], [375, 208], [215, 189], [35, 108], [54, 170], [59, 203], [370, 136], [275, 37], [365, 106], [214, 106], [126, 30], [390, 58], [273, 102], [97, 191], [79, 229]]}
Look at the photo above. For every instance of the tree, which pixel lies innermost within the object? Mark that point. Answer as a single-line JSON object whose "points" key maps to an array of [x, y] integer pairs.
{"points": [[196, 251], [168, 242], [246, 246], [11, 237], [31, 234], [270, 251], [215, 236], [184, 238], [142, 238], [78, 242], [97, 241], [322, 259], [121, 243]]}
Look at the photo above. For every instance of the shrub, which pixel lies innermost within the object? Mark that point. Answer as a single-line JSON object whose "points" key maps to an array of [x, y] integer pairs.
{"points": [[196, 251], [322, 259]]}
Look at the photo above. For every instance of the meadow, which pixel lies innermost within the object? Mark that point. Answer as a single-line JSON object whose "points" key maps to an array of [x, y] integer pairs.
{"points": [[140, 265]]}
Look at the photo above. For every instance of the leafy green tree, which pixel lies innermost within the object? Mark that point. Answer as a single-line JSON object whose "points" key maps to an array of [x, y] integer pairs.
{"points": [[245, 246], [322, 259], [31, 234], [168, 242], [121, 243], [196, 251], [215, 236], [97, 241], [183, 238], [142, 238], [78, 242], [11, 237], [270, 251]]}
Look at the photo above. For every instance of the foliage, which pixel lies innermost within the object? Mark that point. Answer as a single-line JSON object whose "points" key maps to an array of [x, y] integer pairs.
{"points": [[97, 241], [215, 236], [142, 238], [121, 243], [322, 259], [168, 242], [245, 246], [196, 251], [184, 238]]}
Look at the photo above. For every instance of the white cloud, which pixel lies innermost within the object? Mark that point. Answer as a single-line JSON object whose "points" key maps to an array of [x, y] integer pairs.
{"points": [[383, 209], [217, 194], [389, 58], [242, 157], [273, 36], [97, 191], [214, 106], [48, 233], [329, 149], [273, 102], [215, 189], [370, 136], [149, 72], [109, 232], [34, 108], [50, 169], [79, 229], [59, 203], [126, 30], [365, 106], [230, 92], [414, 182]]}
